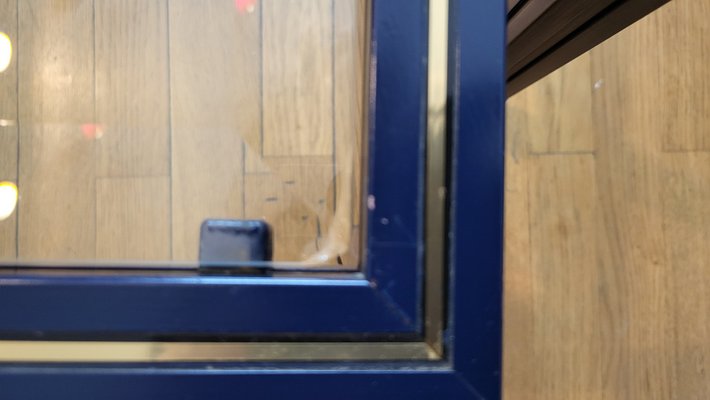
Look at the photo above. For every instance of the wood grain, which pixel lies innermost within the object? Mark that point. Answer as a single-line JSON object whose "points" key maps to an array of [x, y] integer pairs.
{"points": [[296, 197], [686, 219], [350, 51], [632, 248], [215, 99], [132, 95], [298, 77], [563, 218], [8, 130], [568, 91], [518, 354], [133, 219], [605, 289], [124, 92], [681, 30], [309, 180], [295, 248], [8, 99], [8, 238], [56, 170], [294, 225]]}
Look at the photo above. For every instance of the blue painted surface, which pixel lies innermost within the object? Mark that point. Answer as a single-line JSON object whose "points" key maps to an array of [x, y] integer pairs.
{"points": [[396, 152], [159, 307], [478, 159], [269, 384], [472, 370]]}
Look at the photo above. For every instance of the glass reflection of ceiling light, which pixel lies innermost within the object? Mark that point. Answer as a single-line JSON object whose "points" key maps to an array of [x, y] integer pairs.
{"points": [[8, 199], [245, 6], [5, 52], [92, 131]]}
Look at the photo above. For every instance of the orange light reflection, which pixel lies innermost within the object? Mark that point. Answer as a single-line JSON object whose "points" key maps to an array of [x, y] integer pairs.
{"points": [[245, 6]]}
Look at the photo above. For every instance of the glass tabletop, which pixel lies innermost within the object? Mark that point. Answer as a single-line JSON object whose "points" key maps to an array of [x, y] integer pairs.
{"points": [[134, 131]]}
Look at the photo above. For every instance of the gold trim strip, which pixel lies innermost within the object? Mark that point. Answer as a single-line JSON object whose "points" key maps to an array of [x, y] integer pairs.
{"points": [[436, 190], [34, 352]]}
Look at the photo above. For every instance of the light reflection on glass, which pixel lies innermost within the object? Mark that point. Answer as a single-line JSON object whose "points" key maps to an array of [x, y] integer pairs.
{"points": [[92, 131], [83, 108], [8, 199], [5, 51], [245, 6]]}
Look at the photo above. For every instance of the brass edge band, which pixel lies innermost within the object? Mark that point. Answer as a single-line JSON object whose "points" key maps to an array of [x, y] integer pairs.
{"points": [[108, 352], [436, 189]]}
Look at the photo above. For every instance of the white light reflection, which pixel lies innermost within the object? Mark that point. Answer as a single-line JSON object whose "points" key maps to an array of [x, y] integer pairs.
{"points": [[5, 52], [8, 199]]}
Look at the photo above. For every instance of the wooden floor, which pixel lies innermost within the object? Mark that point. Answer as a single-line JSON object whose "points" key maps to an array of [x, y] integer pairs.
{"points": [[608, 219], [135, 120]]}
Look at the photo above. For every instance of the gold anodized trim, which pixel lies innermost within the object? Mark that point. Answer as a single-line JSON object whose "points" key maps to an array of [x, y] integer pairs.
{"points": [[103, 352], [436, 189]]}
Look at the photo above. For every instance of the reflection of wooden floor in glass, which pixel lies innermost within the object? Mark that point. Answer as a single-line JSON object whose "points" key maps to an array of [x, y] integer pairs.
{"points": [[137, 119]]}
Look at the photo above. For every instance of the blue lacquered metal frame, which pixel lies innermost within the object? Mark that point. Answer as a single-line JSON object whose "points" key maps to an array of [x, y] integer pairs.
{"points": [[471, 367], [383, 301]]}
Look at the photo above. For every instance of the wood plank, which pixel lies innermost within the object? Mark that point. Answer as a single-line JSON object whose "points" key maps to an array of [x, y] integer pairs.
{"points": [[635, 290], [352, 257], [133, 219], [296, 196], [518, 353], [8, 126], [569, 128], [686, 196], [298, 77], [8, 238], [56, 171], [563, 230], [636, 280], [294, 249], [336, 233], [8, 149], [255, 162], [8, 100], [293, 224], [681, 29], [215, 72], [307, 179], [350, 51], [250, 95], [132, 101], [264, 199], [651, 242], [311, 186]]}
